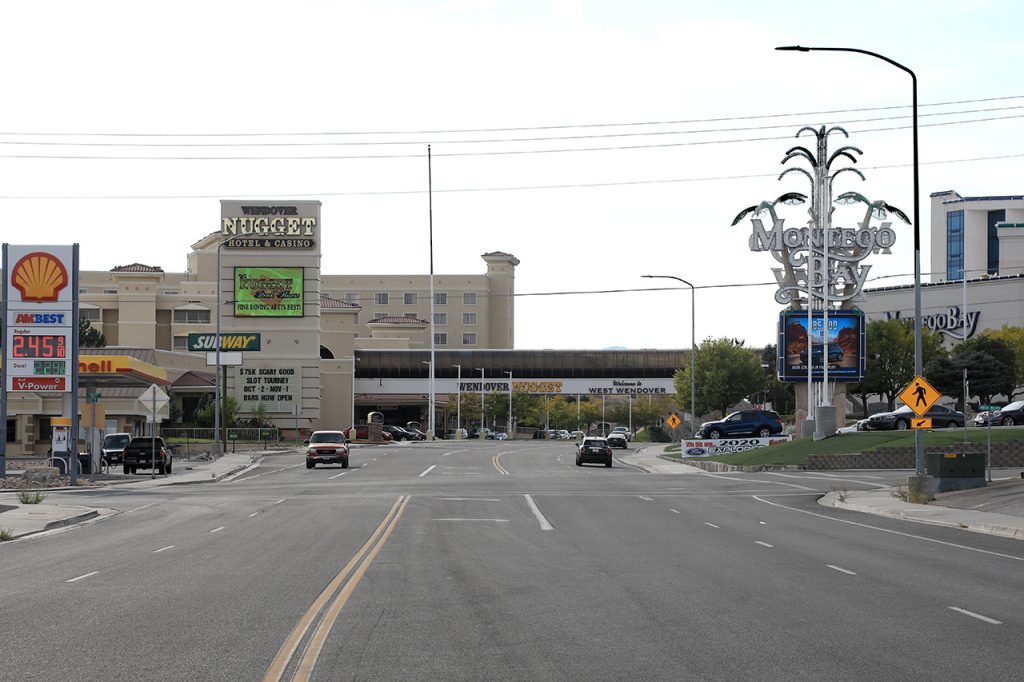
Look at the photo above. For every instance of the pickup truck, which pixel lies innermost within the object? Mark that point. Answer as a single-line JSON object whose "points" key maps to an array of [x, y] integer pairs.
{"points": [[139, 454]]}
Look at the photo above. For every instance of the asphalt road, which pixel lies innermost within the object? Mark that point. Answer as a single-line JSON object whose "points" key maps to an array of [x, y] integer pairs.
{"points": [[503, 560]]}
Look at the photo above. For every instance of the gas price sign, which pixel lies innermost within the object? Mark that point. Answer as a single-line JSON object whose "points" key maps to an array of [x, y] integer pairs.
{"points": [[41, 346]]}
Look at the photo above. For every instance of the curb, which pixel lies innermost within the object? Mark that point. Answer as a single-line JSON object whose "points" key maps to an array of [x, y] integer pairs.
{"points": [[70, 521]]}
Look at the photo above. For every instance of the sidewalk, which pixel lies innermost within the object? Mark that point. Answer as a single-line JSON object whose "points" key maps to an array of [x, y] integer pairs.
{"points": [[28, 519], [647, 457]]}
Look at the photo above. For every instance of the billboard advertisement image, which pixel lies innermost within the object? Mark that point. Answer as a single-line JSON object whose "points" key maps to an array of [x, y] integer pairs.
{"points": [[268, 292], [841, 345]]}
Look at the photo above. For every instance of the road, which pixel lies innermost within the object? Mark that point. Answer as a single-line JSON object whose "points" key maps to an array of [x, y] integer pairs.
{"points": [[502, 560]]}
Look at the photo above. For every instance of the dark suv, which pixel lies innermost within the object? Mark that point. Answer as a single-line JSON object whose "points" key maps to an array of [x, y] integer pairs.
{"points": [[144, 453], [760, 423]]}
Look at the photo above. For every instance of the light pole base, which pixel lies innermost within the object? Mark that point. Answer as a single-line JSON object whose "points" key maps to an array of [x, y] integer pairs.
{"points": [[825, 415], [925, 486], [806, 428]]}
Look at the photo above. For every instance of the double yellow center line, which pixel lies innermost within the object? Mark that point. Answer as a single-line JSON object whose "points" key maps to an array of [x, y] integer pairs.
{"points": [[496, 461], [363, 558]]}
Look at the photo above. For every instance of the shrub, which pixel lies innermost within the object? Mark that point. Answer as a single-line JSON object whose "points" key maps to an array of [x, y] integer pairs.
{"points": [[658, 435], [6, 534], [30, 496]]}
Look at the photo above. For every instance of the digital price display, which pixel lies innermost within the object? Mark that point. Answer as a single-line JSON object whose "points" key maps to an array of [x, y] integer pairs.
{"points": [[43, 346], [49, 368]]}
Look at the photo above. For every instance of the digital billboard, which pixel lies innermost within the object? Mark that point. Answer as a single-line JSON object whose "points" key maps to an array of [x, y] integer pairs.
{"points": [[268, 292], [844, 351]]}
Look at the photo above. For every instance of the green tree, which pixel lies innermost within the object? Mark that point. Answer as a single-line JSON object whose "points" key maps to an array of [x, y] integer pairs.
{"points": [[1014, 337], [781, 394], [205, 411], [890, 355], [726, 373], [991, 365], [88, 337]]}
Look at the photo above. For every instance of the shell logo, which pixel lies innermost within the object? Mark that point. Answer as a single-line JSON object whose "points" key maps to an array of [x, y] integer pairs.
{"points": [[39, 276]]}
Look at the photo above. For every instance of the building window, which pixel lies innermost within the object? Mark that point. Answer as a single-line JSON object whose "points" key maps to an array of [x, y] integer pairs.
{"points": [[955, 245], [171, 292], [352, 297], [180, 343], [440, 319], [440, 339], [83, 291], [45, 429], [993, 239], [469, 298], [377, 316], [410, 298], [411, 315], [469, 339], [380, 298], [12, 430], [110, 291], [469, 319], [91, 314], [440, 298], [191, 317]]}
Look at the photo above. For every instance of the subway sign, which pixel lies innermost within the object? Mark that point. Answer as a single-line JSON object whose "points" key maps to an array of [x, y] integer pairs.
{"points": [[208, 342]]}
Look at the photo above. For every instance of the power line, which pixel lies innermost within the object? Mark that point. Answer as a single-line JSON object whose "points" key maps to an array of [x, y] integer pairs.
{"points": [[517, 188], [521, 128], [655, 133]]}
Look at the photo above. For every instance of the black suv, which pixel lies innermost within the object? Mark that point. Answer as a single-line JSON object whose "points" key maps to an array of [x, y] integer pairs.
{"points": [[760, 423], [143, 453]]}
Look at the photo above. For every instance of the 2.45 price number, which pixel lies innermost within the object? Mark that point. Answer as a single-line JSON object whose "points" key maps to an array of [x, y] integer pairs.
{"points": [[44, 346]]}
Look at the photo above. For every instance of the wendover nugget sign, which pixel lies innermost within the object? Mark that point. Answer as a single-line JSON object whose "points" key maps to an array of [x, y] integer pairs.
{"points": [[268, 292]]}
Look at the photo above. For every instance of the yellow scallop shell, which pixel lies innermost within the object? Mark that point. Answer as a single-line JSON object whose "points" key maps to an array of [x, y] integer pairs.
{"points": [[39, 277]]}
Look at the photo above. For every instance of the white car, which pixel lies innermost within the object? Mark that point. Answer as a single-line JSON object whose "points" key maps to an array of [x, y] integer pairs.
{"points": [[500, 436], [563, 434], [624, 431], [617, 439]]}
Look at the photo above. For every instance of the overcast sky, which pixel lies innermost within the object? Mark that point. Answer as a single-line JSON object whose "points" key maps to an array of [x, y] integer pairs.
{"points": [[707, 111]]}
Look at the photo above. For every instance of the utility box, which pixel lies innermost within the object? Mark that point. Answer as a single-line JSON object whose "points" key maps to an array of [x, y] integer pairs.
{"points": [[957, 470]]}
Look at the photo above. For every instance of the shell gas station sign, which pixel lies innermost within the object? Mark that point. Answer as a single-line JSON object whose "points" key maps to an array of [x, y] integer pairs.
{"points": [[39, 318]]}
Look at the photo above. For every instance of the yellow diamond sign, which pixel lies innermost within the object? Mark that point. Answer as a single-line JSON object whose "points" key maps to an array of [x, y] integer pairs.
{"points": [[673, 421], [919, 396]]}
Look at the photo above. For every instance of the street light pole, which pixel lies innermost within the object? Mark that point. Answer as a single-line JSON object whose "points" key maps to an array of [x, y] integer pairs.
{"points": [[481, 370], [458, 402], [508, 427], [219, 389], [919, 463], [693, 346]]}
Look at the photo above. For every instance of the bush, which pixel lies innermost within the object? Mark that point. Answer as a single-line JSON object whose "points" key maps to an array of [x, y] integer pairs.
{"points": [[30, 496], [6, 534], [657, 434]]}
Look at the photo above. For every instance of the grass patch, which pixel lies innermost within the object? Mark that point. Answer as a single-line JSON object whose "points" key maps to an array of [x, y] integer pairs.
{"points": [[796, 452], [911, 495], [6, 534], [674, 448], [31, 496]]}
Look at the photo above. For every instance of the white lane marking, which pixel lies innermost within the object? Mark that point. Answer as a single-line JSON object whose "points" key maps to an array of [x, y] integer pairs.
{"points": [[429, 469], [841, 570], [145, 506], [81, 577], [215, 530], [821, 473], [755, 480], [493, 520], [234, 477], [163, 549], [472, 499], [762, 523], [991, 621], [763, 544], [330, 478], [893, 532], [644, 497], [253, 514], [450, 453], [710, 524], [278, 502], [674, 511], [544, 525]]}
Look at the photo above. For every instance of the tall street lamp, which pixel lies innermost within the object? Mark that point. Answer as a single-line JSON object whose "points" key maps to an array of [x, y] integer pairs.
{"points": [[219, 388], [919, 433], [693, 346], [508, 427], [354, 360], [482, 423], [458, 403]]}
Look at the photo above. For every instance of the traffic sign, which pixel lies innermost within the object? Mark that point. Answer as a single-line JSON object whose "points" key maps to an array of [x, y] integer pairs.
{"points": [[93, 397], [919, 396], [673, 421], [921, 423], [152, 395]]}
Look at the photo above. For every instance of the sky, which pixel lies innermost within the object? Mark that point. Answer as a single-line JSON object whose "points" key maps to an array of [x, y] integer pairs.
{"points": [[595, 141]]}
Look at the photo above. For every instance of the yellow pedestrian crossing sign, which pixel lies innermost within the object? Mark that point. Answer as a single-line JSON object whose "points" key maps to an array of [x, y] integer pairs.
{"points": [[919, 396], [673, 422]]}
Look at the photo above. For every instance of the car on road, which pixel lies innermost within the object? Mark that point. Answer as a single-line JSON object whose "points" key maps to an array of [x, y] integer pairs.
{"points": [[114, 445], [899, 419], [327, 447], [147, 453], [760, 423], [1011, 415], [563, 434], [617, 440], [835, 353], [499, 436], [624, 430], [594, 449]]}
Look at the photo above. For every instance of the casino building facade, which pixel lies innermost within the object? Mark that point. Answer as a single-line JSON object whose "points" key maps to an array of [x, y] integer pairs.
{"points": [[306, 349]]}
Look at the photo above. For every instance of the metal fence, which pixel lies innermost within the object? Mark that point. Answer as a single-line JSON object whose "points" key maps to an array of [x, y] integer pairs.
{"points": [[245, 435]]}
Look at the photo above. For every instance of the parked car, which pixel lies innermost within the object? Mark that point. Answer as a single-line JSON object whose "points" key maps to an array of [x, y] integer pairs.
{"points": [[144, 453], [760, 423], [398, 433], [363, 432], [982, 418], [1011, 415], [499, 436], [576, 435], [327, 447], [563, 434], [899, 419], [617, 439], [483, 432], [113, 446], [835, 353], [594, 449], [417, 434]]}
